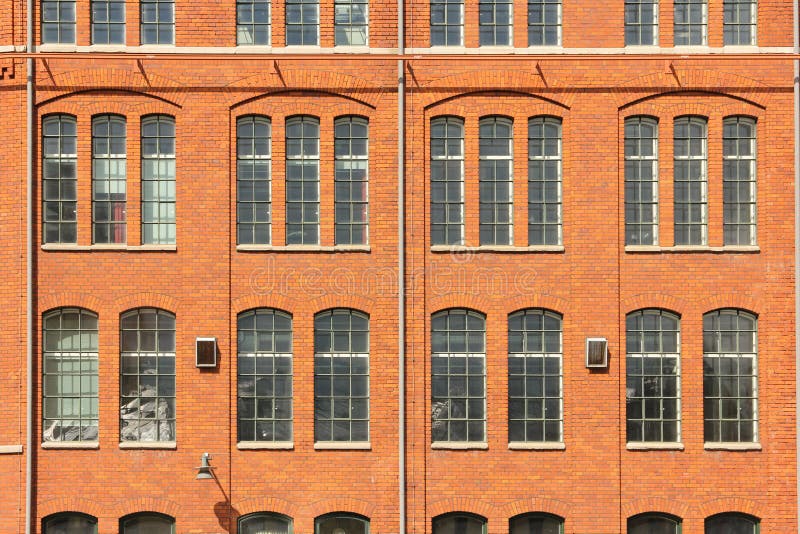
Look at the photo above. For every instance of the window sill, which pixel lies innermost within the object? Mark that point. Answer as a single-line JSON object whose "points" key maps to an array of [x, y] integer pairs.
{"points": [[302, 248], [653, 446], [460, 445], [642, 49], [71, 445], [264, 445], [168, 445], [342, 445], [67, 247], [10, 449], [496, 248], [692, 248], [537, 445], [731, 446]]}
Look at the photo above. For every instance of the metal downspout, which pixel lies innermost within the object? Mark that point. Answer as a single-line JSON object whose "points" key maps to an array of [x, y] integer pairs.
{"points": [[29, 90], [401, 271]]}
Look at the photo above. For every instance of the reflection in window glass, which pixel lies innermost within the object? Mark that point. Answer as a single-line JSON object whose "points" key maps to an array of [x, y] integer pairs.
{"points": [[69, 523], [265, 523], [253, 22], [495, 181], [350, 23], [158, 180], [109, 177], [59, 179], [341, 524]]}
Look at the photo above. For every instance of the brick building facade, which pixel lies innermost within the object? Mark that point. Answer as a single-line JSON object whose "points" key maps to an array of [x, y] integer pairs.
{"points": [[580, 178]]}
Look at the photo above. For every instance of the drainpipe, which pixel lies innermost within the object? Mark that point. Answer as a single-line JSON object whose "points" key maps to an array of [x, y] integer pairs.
{"points": [[30, 235], [401, 270]]}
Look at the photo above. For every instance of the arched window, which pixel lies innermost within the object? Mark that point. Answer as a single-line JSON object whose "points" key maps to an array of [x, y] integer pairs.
{"points": [[459, 523], [158, 180], [458, 381], [69, 523], [341, 523], [351, 149], [536, 523], [544, 181], [147, 381], [147, 523], [253, 180], [641, 181], [653, 372], [691, 180], [302, 180], [265, 523], [264, 376], [730, 372], [732, 523], [739, 180], [341, 376], [534, 376], [109, 175], [59, 179], [496, 157], [447, 181], [70, 411], [654, 523]]}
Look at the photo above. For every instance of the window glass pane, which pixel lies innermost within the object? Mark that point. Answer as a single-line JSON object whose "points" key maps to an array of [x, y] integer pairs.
{"points": [[70, 524], [350, 181], [653, 524], [157, 21], [459, 524], [265, 524], [253, 22], [739, 181], [158, 180], [544, 22], [731, 523], [253, 180], [341, 524], [59, 179], [148, 524], [690, 181], [447, 22], [544, 181], [536, 524], [447, 181]]}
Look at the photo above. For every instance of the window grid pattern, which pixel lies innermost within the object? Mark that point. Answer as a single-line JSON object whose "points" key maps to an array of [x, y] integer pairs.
{"points": [[302, 22], [641, 22], [496, 180], [302, 181], [253, 180], [58, 21], [341, 376], [739, 181], [691, 181], [59, 179], [739, 22], [351, 149], [351, 27], [265, 376], [458, 376], [157, 21], [641, 181], [69, 522], [653, 523], [537, 523], [544, 22], [495, 22], [730, 373], [731, 523], [459, 523], [70, 381], [158, 180], [109, 175], [253, 22], [544, 181], [534, 377], [691, 22], [447, 22], [447, 181], [108, 21], [147, 523], [147, 381], [338, 523], [653, 371], [260, 523]]}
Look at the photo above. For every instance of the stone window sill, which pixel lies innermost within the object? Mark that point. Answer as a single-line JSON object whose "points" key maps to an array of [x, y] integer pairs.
{"points": [[731, 446], [302, 248], [165, 445], [537, 445], [71, 445], [460, 445], [653, 446], [10, 449], [264, 445], [693, 248], [67, 247], [496, 248], [342, 445]]}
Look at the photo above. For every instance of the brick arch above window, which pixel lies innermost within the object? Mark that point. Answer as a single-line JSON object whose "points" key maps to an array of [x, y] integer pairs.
{"points": [[657, 505], [484, 103], [273, 505], [72, 299], [341, 505], [724, 505], [462, 505], [147, 300], [537, 505], [130, 507], [70, 504]]}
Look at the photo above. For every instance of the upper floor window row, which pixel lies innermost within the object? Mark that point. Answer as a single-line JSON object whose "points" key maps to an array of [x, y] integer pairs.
{"points": [[109, 179]]}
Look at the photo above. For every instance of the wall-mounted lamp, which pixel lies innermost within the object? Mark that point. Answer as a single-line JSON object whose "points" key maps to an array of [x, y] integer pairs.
{"points": [[204, 471]]}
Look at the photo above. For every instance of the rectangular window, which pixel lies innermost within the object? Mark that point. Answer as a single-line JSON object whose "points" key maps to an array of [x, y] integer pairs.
{"points": [[302, 22], [495, 22], [641, 22], [691, 22], [158, 180], [544, 22], [157, 21], [447, 22], [302, 181], [253, 180], [739, 22], [350, 181], [739, 181], [447, 181], [641, 181], [108, 21], [495, 177], [109, 175], [59, 179], [58, 21], [544, 181], [253, 22], [350, 23], [691, 181]]}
